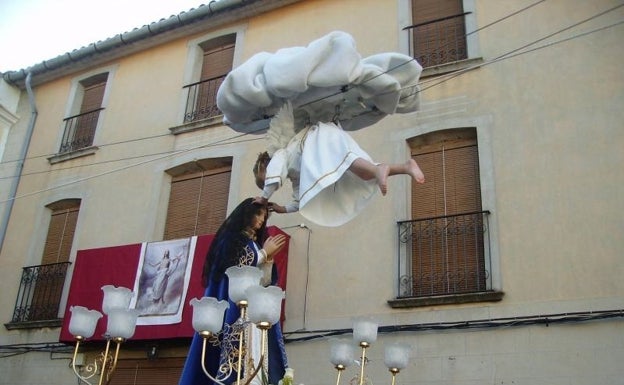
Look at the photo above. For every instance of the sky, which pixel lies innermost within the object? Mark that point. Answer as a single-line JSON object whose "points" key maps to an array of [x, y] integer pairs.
{"points": [[32, 31]]}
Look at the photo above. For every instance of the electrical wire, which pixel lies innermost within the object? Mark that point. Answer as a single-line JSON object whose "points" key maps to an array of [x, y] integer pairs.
{"points": [[455, 74], [169, 154], [99, 145], [225, 142], [313, 101], [307, 278], [347, 88], [516, 51], [17, 349], [546, 320], [508, 55], [513, 53], [14, 350]]}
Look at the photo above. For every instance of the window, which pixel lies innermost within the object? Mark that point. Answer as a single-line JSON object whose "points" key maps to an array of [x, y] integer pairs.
{"points": [[447, 239], [438, 32], [61, 231], [80, 128], [198, 198], [217, 58], [41, 286]]}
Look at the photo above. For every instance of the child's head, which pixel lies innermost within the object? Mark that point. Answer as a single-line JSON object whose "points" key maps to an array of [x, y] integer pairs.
{"points": [[259, 168]]}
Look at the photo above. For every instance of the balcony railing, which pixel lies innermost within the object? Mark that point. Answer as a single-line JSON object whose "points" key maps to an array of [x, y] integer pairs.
{"points": [[40, 293], [444, 255], [201, 102], [79, 131], [439, 41]]}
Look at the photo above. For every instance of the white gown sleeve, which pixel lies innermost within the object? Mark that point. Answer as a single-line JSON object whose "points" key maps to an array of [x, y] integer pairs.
{"points": [[276, 173], [266, 267], [268, 190]]}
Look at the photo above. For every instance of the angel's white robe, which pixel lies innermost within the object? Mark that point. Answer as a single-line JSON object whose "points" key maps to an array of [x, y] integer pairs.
{"points": [[317, 162]]}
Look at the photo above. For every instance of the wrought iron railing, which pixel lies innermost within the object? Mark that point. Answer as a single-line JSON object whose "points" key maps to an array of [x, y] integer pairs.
{"points": [[444, 255], [439, 41], [201, 101], [79, 131], [40, 293]]}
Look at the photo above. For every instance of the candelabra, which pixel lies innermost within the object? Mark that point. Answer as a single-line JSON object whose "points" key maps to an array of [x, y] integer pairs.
{"points": [[259, 306], [120, 326], [364, 334]]}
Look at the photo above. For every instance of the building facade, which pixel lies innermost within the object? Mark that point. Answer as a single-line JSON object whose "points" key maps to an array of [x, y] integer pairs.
{"points": [[504, 267]]}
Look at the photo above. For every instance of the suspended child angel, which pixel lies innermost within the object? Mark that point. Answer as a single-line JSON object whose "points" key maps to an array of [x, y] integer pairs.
{"points": [[332, 178]]}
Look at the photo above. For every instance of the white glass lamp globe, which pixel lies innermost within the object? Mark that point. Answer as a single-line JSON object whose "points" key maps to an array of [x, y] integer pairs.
{"points": [[83, 321], [240, 278], [397, 355], [121, 323], [115, 298], [208, 313], [364, 330], [341, 352], [265, 304]]}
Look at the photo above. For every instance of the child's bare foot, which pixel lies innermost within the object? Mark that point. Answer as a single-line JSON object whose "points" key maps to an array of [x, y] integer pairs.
{"points": [[414, 170], [381, 174]]}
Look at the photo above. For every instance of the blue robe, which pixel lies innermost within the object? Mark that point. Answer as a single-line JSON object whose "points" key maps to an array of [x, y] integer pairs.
{"points": [[233, 250]]}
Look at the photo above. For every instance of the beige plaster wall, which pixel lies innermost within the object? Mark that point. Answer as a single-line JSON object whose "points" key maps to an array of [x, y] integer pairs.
{"points": [[550, 138]]}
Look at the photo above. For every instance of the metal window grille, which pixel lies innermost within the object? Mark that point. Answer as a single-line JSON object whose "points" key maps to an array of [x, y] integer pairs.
{"points": [[444, 255], [201, 102], [439, 41], [40, 292], [79, 131]]}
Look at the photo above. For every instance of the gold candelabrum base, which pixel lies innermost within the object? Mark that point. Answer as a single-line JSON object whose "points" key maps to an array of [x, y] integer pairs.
{"points": [[106, 360], [243, 361]]}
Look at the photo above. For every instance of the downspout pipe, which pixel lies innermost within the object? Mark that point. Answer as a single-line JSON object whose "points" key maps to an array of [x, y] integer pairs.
{"points": [[22, 159]]}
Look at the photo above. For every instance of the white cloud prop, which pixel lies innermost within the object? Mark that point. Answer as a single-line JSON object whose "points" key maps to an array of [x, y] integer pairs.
{"points": [[325, 80]]}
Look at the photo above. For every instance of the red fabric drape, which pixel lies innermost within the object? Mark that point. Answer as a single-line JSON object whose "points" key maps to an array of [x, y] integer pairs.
{"points": [[118, 265]]}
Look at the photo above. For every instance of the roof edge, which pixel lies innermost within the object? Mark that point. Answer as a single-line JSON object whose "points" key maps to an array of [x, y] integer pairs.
{"points": [[217, 12]]}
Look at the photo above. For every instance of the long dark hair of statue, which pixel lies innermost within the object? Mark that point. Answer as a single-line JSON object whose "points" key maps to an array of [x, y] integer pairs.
{"points": [[229, 240]]}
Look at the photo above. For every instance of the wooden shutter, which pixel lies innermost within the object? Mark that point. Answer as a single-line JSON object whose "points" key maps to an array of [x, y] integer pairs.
{"points": [[87, 120], [217, 61], [161, 371], [213, 202], [447, 251], [452, 185], [440, 41], [197, 203], [427, 10], [216, 65], [49, 279], [61, 233], [93, 97]]}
